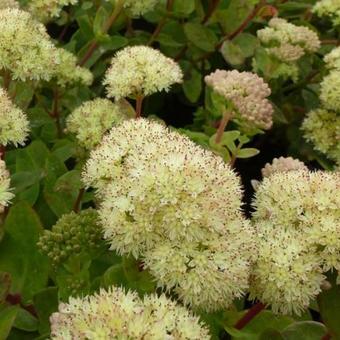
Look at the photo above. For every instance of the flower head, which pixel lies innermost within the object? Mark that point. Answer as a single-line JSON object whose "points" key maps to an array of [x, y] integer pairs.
{"points": [[91, 120], [8, 4], [140, 7], [286, 41], [25, 47], [248, 94], [5, 192], [328, 8], [282, 164], [73, 234], [116, 314], [45, 10], [322, 128], [206, 275], [140, 71], [330, 91], [287, 275], [332, 59], [68, 72], [14, 126], [305, 207]]}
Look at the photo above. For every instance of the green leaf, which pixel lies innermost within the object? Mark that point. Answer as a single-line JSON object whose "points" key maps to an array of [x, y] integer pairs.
{"points": [[7, 317], [247, 153], [192, 87], [85, 26], [45, 303], [112, 43], [247, 43], [19, 254], [306, 330], [232, 53], [99, 21], [183, 8], [329, 304], [25, 321], [201, 36]]}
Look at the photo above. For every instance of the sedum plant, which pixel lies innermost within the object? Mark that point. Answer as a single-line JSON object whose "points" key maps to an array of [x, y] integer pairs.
{"points": [[169, 169]]}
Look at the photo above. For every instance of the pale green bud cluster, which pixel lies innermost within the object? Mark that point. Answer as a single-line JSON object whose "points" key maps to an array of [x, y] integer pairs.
{"points": [[68, 72], [158, 189], [140, 71], [321, 127], [5, 191], [140, 7], [25, 47], [14, 125], [116, 314], [297, 219], [328, 8], [332, 59], [46, 10], [287, 41], [90, 121], [73, 234], [330, 91], [282, 164], [8, 4]]}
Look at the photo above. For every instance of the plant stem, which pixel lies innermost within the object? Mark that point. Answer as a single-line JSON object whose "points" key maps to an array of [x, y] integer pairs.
{"points": [[212, 7], [110, 21], [139, 103], [162, 22], [15, 299], [7, 80], [55, 111], [77, 204], [326, 337], [222, 126], [2, 151], [250, 315]]}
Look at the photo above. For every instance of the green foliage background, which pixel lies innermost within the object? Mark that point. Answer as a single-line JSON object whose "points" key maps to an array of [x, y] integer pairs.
{"points": [[46, 172]]}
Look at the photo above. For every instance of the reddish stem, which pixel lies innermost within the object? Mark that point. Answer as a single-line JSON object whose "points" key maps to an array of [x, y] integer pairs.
{"points": [[55, 111], [77, 204], [2, 151], [250, 315], [212, 7], [88, 53], [139, 103], [326, 337], [7, 80], [221, 127]]}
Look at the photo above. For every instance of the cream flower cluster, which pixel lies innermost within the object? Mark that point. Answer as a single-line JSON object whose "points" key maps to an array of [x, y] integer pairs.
{"points": [[160, 189], [25, 47], [282, 164], [68, 72], [5, 192], [14, 125], [116, 314], [328, 8], [140, 71], [298, 225], [140, 7], [286, 41], [247, 93], [91, 120], [332, 59], [330, 91], [8, 4], [45, 10], [322, 128]]}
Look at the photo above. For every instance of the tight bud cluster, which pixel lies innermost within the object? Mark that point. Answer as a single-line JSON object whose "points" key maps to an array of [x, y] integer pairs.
{"points": [[5, 192]]}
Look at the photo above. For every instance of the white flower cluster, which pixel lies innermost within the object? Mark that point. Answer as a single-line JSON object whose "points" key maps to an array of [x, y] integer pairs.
{"points": [[140, 71], [140, 7], [116, 314], [5, 192], [25, 47], [68, 72], [330, 91], [46, 10], [322, 128], [287, 41], [14, 125], [247, 93], [158, 189], [8, 4], [332, 59], [297, 219], [282, 164], [328, 8], [91, 120]]}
